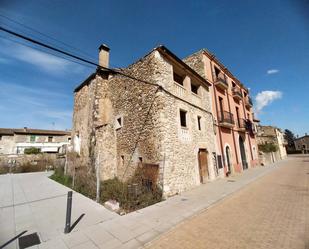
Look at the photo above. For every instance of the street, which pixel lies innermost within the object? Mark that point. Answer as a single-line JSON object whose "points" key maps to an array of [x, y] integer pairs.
{"points": [[272, 212]]}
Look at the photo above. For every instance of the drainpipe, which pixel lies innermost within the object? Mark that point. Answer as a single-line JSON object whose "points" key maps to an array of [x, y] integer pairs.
{"points": [[234, 142], [244, 108], [215, 95]]}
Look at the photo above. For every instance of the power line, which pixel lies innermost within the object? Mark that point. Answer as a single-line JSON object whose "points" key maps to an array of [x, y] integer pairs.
{"points": [[62, 57], [45, 35], [114, 71]]}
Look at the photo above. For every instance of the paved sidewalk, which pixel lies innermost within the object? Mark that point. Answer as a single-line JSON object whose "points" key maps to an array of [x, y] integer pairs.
{"points": [[271, 213], [45, 200]]}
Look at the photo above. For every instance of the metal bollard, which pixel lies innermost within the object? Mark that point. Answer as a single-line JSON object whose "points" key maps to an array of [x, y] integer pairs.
{"points": [[68, 214]]}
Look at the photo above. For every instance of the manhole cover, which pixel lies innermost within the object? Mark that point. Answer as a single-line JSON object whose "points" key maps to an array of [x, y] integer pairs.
{"points": [[29, 240]]}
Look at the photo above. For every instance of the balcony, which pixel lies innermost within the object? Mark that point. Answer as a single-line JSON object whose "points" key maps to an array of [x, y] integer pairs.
{"points": [[242, 125], [179, 90], [221, 83], [237, 95], [248, 102], [226, 119]]}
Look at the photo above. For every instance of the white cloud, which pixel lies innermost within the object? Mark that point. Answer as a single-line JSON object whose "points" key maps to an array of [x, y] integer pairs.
{"points": [[264, 98], [272, 71], [44, 61]]}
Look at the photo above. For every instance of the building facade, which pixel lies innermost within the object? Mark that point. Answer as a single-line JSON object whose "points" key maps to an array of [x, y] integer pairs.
{"points": [[273, 135], [156, 114], [232, 108], [15, 141], [302, 144]]}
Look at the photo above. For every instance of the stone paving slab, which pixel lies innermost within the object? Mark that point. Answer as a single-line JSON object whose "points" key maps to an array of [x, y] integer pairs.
{"points": [[44, 200]]}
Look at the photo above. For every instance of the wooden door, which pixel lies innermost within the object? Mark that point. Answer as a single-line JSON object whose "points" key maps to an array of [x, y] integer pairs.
{"points": [[203, 165]]}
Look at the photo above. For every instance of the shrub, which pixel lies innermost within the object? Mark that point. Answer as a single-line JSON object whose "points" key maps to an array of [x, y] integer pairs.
{"points": [[269, 147], [32, 150]]}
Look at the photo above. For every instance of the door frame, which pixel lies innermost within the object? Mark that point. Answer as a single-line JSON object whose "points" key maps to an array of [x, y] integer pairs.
{"points": [[205, 167]]}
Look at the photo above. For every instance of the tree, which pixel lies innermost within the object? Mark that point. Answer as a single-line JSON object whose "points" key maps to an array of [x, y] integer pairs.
{"points": [[289, 137]]}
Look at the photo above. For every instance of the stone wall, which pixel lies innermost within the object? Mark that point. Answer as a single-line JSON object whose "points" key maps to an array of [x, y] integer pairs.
{"points": [[50, 160], [150, 130], [7, 144]]}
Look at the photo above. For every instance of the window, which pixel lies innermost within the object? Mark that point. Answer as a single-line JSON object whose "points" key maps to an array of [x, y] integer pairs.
{"points": [[245, 94], [217, 72], [50, 139], [122, 160], [118, 122], [0, 138], [183, 118], [69, 139], [233, 84], [194, 88], [32, 138], [199, 123], [140, 159], [178, 78]]}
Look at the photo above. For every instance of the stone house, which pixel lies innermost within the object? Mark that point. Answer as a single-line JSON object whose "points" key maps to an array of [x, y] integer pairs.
{"points": [[156, 113], [302, 144], [274, 135], [232, 108], [15, 141]]}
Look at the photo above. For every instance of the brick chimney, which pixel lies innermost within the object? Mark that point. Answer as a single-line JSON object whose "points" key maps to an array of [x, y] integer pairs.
{"points": [[104, 56]]}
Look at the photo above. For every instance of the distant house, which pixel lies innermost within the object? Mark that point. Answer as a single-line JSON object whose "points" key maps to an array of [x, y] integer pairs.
{"points": [[15, 141], [273, 135], [302, 143]]}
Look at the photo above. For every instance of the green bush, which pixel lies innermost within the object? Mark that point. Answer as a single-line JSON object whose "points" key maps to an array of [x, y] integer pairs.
{"points": [[59, 176], [32, 150], [269, 147]]}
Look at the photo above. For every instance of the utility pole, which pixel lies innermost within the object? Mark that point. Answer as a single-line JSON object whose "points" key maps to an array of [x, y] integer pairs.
{"points": [[98, 177]]}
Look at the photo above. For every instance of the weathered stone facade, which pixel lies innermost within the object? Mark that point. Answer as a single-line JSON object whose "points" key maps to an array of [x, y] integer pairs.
{"points": [[120, 122], [302, 144], [272, 135]]}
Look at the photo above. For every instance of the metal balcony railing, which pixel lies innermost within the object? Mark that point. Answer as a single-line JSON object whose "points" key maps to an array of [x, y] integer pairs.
{"points": [[249, 102], [221, 79], [237, 93], [226, 117], [242, 123]]}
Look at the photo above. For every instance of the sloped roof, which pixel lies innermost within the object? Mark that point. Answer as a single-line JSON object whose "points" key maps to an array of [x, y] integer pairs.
{"points": [[12, 131]]}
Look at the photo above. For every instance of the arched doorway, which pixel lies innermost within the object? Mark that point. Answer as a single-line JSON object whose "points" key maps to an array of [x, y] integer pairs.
{"points": [[228, 159], [243, 153]]}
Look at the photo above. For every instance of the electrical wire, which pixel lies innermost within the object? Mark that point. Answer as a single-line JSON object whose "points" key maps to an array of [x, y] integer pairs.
{"points": [[45, 35]]}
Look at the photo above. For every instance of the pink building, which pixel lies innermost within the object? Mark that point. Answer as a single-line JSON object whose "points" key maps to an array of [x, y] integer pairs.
{"points": [[232, 110]]}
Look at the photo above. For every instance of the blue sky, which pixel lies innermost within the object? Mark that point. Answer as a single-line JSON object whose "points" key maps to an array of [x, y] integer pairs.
{"points": [[264, 43]]}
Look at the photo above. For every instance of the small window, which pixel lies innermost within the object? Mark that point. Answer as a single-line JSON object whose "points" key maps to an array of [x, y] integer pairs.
{"points": [[50, 139], [140, 159], [199, 123], [245, 94], [217, 72], [118, 122], [69, 139], [183, 118], [122, 160], [32, 138], [0, 138], [194, 88], [178, 78], [233, 84]]}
